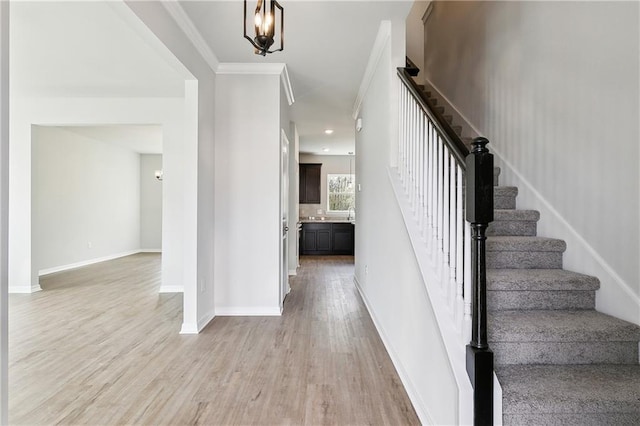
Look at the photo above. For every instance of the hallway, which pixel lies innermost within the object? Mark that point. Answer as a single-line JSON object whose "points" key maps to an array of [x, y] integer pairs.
{"points": [[100, 346]]}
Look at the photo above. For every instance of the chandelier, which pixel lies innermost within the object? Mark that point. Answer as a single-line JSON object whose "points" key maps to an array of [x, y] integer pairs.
{"points": [[264, 22]]}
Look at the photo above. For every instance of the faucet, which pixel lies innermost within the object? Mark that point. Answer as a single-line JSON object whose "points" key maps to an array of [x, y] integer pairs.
{"points": [[349, 217]]}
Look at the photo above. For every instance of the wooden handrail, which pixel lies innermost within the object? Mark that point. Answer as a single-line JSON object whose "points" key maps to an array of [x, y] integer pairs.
{"points": [[450, 137]]}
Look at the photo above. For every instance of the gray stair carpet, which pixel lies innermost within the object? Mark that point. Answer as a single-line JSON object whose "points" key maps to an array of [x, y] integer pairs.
{"points": [[558, 360]]}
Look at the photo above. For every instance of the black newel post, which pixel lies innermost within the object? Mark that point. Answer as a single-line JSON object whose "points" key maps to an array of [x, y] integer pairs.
{"points": [[479, 212]]}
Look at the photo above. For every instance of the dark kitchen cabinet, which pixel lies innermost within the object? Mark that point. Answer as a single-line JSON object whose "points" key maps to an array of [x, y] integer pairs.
{"points": [[310, 183], [316, 238], [342, 238], [327, 238]]}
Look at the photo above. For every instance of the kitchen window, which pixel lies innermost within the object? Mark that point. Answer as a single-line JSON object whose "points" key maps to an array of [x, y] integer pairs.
{"points": [[341, 195]]}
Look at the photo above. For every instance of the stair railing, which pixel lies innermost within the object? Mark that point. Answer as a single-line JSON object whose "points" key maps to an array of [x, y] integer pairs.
{"points": [[446, 184]]}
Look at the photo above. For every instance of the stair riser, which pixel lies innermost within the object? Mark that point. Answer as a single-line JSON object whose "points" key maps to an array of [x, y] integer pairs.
{"points": [[554, 300], [524, 260], [512, 228], [565, 352], [504, 202]]}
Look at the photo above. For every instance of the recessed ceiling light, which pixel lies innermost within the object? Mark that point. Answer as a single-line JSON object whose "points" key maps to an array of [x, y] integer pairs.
{"points": [[328, 131], [325, 149]]}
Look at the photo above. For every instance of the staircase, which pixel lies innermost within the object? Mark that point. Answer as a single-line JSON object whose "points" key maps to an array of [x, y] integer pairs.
{"points": [[558, 360]]}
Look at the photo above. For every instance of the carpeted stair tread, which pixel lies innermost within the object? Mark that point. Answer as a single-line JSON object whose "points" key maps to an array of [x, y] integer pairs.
{"points": [[559, 326], [570, 394], [511, 222], [505, 191], [513, 214], [539, 280], [525, 243]]}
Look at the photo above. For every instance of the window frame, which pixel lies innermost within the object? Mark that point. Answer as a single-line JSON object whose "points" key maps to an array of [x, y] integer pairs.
{"points": [[332, 175]]}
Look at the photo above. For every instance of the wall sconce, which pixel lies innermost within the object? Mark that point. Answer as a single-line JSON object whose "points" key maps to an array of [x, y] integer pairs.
{"points": [[264, 22], [158, 174]]}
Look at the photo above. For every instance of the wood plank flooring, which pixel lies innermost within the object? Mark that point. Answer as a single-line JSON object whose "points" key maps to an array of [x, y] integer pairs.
{"points": [[99, 345]]}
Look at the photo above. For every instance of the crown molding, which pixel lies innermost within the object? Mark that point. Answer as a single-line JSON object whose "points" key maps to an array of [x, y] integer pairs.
{"points": [[188, 27], [286, 84], [384, 34], [251, 68]]}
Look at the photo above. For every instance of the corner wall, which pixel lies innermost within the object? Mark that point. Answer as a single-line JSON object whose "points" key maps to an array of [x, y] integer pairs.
{"points": [[247, 174], [555, 88], [386, 269]]}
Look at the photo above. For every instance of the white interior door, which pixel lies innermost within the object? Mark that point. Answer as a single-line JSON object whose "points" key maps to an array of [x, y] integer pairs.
{"points": [[284, 217]]}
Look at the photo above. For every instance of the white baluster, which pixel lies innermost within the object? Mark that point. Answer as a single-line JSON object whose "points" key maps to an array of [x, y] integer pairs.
{"points": [[459, 250], [467, 283]]}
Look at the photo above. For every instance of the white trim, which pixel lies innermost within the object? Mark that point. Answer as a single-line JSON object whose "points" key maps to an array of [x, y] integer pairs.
{"points": [[86, 262], [171, 289], [627, 307], [293, 272], [384, 34], [286, 84], [24, 289], [185, 23], [192, 328], [189, 328], [250, 68], [427, 12], [418, 404], [245, 68], [150, 250], [205, 320], [239, 311]]}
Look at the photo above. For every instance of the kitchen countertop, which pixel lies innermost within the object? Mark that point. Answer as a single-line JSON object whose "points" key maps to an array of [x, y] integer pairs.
{"points": [[328, 220]]}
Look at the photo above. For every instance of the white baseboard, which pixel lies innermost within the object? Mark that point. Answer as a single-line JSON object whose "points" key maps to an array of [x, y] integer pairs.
{"points": [[150, 250], [197, 327], [414, 396], [171, 289], [239, 311], [24, 289], [189, 328], [293, 272], [87, 262], [205, 319]]}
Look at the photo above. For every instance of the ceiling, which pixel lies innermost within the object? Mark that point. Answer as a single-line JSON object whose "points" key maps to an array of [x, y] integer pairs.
{"points": [[327, 47], [92, 49]]}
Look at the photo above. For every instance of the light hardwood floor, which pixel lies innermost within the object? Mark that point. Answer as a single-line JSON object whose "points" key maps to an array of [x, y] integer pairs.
{"points": [[99, 345]]}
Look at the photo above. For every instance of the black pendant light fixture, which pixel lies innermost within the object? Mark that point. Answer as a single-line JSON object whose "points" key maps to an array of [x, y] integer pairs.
{"points": [[264, 22]]}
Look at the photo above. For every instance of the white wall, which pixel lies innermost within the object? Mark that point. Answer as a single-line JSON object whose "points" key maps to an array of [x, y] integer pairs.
{"points": [[330, 164], [386, 269], [247, 174], [4, 208], [555, 88], [415, 35], [150, 203], [85, 199]]}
